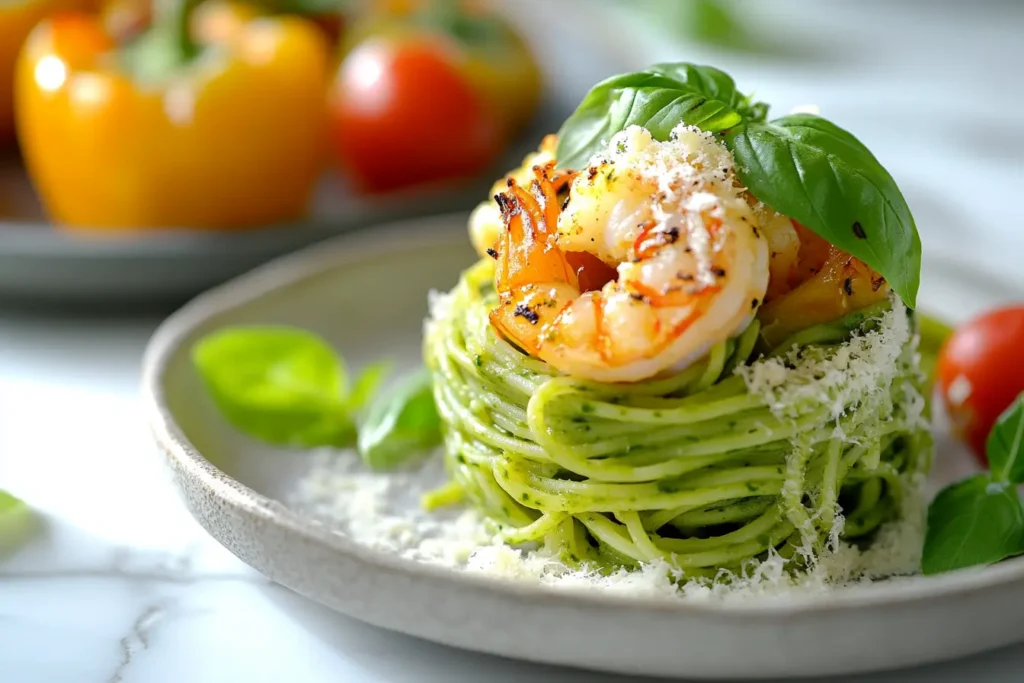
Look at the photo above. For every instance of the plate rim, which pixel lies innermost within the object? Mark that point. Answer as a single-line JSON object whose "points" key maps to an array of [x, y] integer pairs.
{"points": [[351, 248]]}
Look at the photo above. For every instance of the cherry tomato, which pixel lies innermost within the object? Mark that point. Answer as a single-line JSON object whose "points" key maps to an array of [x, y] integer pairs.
{"points": [[981, 372], [404, 114]]}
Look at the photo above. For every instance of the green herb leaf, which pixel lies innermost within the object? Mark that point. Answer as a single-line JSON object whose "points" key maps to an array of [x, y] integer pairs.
{"points": [[1005, 445], [367, 384], [820, 175], [401, 423], [657, 99], [17, 522], [280, 384], [973, 522]]}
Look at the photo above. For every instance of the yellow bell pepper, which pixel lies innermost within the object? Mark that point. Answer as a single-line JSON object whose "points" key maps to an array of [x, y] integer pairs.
{"points": [[207, 121], [17, 19]]}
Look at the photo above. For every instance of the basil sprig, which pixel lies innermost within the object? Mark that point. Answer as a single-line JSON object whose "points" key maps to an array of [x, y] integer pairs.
{"points": [[658, 99], [801, 165], [979, 520], [285, 385], [401, 423]]}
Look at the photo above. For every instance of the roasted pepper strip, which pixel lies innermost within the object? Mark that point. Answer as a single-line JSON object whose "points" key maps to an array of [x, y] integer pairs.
{"points": [[223, 131], [16, 21]]}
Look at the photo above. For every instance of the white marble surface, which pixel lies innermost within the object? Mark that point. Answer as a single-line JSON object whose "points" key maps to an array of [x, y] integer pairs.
{"points": [[122, 586]]}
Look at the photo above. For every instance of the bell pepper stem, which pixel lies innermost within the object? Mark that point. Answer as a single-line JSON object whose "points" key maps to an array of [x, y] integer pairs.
{"points": [[174, 17], [167, 45]]}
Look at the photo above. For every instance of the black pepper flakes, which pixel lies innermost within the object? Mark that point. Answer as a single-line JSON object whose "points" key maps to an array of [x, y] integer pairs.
{"points": [[848, 286], [523, 311], [492, 253], [858, 231], [505, 203], [754, 303], [718, 272], [672, 234]]}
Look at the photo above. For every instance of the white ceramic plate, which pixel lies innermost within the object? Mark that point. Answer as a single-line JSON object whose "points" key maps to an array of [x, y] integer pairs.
{"points": [[367, 294]]}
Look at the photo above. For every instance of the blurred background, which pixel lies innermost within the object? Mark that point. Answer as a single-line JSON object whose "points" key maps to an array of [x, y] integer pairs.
{"points": [[153, 148]]}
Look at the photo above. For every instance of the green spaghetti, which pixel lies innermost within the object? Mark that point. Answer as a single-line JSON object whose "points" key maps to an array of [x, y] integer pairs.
{"points": [[748, 452]]}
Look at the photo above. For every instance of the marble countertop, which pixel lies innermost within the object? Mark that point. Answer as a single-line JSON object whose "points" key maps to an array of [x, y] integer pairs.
{"points": [[123, 586]]}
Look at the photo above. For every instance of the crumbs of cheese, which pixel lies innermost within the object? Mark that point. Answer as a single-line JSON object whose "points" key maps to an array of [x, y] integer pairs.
{"points": [[865, 366], [381, 510]]}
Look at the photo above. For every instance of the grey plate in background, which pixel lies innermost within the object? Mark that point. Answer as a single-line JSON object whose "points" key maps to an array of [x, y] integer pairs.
{"points": [[41, 265], [44, 265]]}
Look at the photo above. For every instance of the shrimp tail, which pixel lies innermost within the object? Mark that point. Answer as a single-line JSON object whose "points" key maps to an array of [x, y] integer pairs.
{"points": [[532, 274], [527, 251]]}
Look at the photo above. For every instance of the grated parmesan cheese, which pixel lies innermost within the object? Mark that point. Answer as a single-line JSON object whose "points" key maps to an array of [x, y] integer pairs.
{"points": [[381, 510], [865, 366]]}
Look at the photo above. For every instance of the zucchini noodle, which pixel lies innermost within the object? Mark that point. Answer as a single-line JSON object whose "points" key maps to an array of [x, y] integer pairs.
{"points": [[745, 453]]}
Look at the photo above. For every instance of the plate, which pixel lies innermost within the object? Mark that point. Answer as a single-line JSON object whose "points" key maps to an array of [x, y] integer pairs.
{"points": [[41, 263], [367, 294]]}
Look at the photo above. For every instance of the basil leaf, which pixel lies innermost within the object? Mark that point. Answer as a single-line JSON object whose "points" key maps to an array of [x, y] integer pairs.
{"points": [[280, 384], [401, 423], [17, 522], [658, 99], [820, 175], [1005, 445], [367, 384], [973, 522]]}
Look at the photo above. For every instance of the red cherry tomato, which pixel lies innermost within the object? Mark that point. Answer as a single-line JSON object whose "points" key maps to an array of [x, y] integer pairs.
{"points": [[403, 114], [981, 372]]}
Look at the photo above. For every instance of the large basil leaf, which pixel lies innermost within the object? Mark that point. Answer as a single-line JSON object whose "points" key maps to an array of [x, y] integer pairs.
{"points": [[658, 99], [972, 522], [820, 175], [717, 84], [283, 385]]}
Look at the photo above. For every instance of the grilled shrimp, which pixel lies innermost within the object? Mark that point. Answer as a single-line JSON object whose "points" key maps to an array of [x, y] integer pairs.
{"points": [[655, 257], [485, 224]]}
